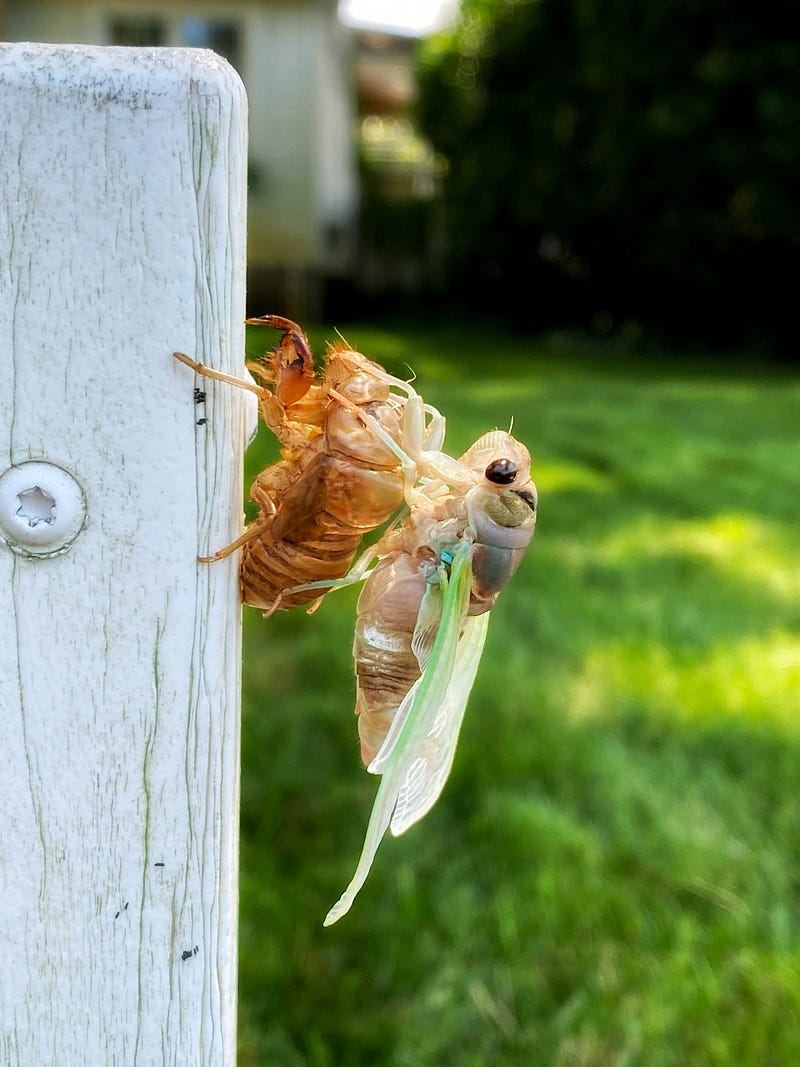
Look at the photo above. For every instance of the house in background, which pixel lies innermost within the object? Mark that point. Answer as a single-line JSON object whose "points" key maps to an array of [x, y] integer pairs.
{"points": [[400, 173], [296, 61]]}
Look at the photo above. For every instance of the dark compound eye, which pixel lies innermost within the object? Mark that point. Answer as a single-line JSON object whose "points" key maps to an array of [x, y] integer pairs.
{"points": [[501, 471]]}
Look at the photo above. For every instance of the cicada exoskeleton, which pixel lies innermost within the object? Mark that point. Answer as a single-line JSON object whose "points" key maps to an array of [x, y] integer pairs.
{"points": [[351, 444]]}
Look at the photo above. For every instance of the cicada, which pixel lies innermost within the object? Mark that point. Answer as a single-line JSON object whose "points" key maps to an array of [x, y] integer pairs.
{"points": [[354, 444], [358, 443], [422, 621]]}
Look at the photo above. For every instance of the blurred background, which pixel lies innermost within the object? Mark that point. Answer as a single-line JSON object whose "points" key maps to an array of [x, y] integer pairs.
{"points": [[582, 216], [551, 163]]}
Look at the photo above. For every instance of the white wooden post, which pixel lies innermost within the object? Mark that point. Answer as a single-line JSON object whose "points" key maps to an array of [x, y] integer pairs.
{"points": [[122, 220]]}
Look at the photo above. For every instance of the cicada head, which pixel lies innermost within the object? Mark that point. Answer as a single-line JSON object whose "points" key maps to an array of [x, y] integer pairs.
{"points": [[504, 467], [502, 512]]}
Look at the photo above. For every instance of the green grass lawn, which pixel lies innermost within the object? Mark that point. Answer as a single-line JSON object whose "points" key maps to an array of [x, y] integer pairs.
{"points": [[612, 874]]}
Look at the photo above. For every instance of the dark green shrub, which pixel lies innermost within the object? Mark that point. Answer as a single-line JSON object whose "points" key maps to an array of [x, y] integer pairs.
{"points": [[621, 161]]}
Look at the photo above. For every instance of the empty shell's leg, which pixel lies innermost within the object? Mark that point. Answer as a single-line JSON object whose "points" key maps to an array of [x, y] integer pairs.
{"points": [[218, 375]]}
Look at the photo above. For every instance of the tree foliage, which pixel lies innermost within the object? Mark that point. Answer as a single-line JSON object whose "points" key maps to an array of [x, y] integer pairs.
{"points": [[621, 161]]}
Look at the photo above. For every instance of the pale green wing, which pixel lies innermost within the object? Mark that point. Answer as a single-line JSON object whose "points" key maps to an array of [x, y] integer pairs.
{"points": [[429, 619], [423, 742], [427, 774]]}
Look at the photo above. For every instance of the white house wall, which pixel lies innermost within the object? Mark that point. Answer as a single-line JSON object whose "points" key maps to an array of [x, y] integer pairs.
{"points": [[280, 56], [336, 177]]}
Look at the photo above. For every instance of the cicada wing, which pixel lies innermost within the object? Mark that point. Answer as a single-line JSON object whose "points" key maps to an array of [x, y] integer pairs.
{"points": [[379, 819], [429, 618], [414, 741], [383, 755], [427, 775]]}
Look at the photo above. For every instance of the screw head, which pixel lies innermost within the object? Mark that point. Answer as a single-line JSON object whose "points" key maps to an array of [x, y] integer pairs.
{"points": [[42, 509]]}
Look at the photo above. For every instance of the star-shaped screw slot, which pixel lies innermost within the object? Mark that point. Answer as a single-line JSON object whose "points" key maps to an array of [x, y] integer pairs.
{"points": [[36, 505]]}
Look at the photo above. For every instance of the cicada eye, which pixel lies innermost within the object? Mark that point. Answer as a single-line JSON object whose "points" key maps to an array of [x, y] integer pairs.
{"points": [[501, 471]]}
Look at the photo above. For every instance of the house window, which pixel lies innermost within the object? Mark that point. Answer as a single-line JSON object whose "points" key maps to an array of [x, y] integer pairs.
{"points": [[221, 35], [137, 31]]}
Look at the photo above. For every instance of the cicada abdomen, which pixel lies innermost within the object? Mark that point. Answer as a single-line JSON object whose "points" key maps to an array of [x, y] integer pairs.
{"points": [[386, 664]]}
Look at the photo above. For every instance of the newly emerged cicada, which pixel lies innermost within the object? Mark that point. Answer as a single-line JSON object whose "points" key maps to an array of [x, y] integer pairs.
{"points": [[354, 444], [422, 620]]}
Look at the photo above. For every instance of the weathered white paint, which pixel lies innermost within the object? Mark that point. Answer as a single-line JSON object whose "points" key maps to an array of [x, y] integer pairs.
{"points": [[122, 214]]}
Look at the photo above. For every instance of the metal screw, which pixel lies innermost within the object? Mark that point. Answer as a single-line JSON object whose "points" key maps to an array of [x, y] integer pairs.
{"points": [[42, 509]]}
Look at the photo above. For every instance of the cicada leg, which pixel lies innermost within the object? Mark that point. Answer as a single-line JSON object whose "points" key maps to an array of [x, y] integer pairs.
{"points": [[276, 603], [292, 359], [254, 530], [272, 412], [218, 375], [277, 322], [266, 517]]}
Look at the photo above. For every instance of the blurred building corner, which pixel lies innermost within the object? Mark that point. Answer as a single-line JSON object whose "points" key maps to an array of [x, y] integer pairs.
{"points": [[399, 171], [303, 186], [296, 61], [340, 183]]}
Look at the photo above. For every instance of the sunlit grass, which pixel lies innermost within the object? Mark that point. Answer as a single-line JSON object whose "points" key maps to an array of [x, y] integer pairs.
{"points": [[754, 678], [612, 875], [737, 546]]}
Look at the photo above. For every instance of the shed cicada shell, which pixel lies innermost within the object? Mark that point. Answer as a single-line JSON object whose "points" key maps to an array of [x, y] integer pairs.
{"points": [[354, 443]]}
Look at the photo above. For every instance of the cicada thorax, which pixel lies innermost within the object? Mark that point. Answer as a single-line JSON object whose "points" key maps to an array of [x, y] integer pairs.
{"points": [[502, 525], [328, 491]]}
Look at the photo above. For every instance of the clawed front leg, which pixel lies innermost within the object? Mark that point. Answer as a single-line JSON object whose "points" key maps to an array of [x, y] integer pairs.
{"points": [[291, 359]]}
